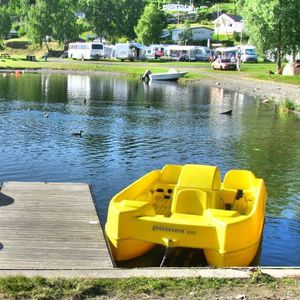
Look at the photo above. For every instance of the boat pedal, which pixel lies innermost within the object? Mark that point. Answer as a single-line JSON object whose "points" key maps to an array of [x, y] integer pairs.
{"points": [[170, 191], [239, 194], [228, 206], [167, 197], [160, 190]]}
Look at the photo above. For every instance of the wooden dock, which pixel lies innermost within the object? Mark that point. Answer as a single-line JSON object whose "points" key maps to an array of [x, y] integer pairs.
{"points": [[50, 226]]}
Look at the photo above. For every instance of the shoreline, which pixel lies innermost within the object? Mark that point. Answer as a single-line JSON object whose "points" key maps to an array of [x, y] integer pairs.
{"points": [[265, 90], [268, 91]]}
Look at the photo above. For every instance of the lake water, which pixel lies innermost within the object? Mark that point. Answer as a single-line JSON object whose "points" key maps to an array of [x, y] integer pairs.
{"points": [[131, 128]]}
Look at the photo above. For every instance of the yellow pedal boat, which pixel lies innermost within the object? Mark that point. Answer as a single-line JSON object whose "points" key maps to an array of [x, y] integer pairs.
{"points": [[189, 206]]}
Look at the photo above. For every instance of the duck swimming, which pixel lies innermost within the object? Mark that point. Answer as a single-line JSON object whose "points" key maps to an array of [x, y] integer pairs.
{"points": [[78, 133], [228, 112]]}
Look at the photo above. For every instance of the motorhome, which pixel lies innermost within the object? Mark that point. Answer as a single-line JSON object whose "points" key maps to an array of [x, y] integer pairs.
{"points": [[248, 53], [128, 51], [181, 53], [203, 53], [108, 51], [148, 53], [158, 49], [154, 51], [225, 52], [91, 50]]}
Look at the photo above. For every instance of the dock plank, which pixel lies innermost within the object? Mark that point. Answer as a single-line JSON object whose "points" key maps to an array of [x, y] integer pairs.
{"points": [[50, 226]]}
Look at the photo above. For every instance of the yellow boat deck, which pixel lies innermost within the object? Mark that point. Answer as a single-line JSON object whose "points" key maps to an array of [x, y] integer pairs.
{"points": [[188, 206]]}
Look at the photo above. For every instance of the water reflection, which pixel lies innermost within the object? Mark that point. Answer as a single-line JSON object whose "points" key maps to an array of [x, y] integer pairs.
{"points": [[131, 128]]}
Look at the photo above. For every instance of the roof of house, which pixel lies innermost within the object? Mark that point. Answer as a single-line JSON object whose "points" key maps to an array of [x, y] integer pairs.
{"points": [[236, 18], [192, 28]]}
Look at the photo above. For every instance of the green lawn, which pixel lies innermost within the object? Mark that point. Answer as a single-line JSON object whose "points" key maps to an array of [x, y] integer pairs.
{"points": [[196, 70]]}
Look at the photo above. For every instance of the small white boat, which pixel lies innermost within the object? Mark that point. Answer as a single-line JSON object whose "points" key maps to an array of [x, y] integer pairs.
{"points": [[170, 75]]}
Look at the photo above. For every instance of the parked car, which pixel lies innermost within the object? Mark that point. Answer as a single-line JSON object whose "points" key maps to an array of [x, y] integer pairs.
{"points": [[224, 64]]}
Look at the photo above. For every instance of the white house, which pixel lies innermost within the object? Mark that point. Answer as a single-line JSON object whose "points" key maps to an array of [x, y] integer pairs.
{"points": [[178, 7], [200, 33], [227, 24]]}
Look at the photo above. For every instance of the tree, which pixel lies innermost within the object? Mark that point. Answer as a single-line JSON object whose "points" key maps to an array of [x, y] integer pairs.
{"points": [[273, 25], [102, 15], [186, 35], [38, 22], [5, 21], [150, 25], [131, 11], [65, 27], [53, 18]]}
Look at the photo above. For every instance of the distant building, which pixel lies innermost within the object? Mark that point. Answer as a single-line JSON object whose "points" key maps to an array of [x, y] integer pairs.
{"points": [[178, 7], [80, 15], [200, 33], [228, 24]]}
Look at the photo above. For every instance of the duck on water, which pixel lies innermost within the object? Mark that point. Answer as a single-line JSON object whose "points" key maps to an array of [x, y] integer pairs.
{"points": [[79, 133]]}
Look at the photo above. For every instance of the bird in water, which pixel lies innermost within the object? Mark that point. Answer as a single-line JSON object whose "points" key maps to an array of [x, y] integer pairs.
{"points": [[84, 101], [45, 114], [78, 133], [227, 112]]}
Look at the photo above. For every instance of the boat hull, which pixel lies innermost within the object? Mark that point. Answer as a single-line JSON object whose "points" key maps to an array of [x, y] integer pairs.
{"points": [[167, 76], [187, 206]]}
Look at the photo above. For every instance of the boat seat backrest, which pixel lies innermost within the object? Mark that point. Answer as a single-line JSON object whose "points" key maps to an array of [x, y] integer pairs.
{"points": [[170, 173], [190, 201], [239, 179], [236, 185], [199, 178]]}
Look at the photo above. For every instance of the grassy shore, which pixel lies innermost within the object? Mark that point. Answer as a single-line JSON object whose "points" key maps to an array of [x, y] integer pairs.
{"points": [[197, 70], [258, 286], [19, 48]]}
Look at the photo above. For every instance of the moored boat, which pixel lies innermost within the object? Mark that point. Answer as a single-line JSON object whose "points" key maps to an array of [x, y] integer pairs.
{"points": [[172, 74], [189, 206]]}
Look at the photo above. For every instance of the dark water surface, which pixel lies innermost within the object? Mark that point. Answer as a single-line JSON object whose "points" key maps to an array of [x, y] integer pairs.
{"points": [[131, 128]]}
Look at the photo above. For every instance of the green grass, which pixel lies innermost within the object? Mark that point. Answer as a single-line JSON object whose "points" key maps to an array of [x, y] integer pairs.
{"points": [[20, 48], [288, 104], [131, 69], [20, 287]]}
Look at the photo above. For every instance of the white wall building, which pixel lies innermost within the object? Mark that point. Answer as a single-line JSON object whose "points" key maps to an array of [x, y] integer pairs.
{"points": [[178, 7], [227, 24], [200, 33]]}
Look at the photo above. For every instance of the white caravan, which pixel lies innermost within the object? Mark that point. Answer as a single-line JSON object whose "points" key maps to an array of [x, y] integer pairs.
{"points": [[91, 50], [248, 54], [181, 53], [203, 53], [129, 51]]}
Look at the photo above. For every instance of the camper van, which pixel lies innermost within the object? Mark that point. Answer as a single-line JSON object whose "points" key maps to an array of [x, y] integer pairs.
{"points": [[128, 51], [181, 53], [225, 52], [248, 54], [158, 49], [92, 50], [203, 53]]}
